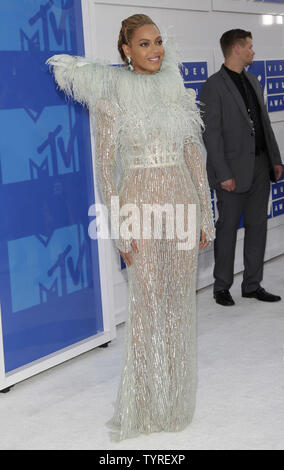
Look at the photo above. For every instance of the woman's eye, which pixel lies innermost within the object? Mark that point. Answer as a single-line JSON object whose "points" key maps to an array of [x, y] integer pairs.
{"points": [[144, 44]]}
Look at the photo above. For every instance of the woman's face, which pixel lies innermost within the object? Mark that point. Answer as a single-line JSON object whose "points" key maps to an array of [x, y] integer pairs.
{"points": [[146, 49]]}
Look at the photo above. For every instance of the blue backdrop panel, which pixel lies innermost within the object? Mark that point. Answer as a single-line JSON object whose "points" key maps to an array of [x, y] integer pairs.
{"points": [[49, 271], [271, 76]]}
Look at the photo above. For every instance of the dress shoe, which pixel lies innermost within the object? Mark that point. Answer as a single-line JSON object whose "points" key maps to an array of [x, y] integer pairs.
{"points": [[223, 297], [261, 294]]}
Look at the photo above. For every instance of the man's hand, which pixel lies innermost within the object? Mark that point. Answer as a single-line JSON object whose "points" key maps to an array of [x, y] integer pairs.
{"points": [[229, 185], [278, 171]]}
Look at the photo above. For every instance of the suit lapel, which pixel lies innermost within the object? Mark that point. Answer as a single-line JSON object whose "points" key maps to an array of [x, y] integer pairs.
{"points": [[236, 94]]}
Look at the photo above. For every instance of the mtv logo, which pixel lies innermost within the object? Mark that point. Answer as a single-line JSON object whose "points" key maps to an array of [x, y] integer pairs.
{"points": [[47, 294], [39, 171], [42, 271], [42, 148], [30, 43], [61, 144]]}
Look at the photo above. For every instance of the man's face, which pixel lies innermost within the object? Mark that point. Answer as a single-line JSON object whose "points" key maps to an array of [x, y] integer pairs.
{"points": [[246, 52]]}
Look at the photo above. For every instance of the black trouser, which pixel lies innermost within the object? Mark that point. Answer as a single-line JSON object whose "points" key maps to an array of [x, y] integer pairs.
{"points": [[254, 205]]}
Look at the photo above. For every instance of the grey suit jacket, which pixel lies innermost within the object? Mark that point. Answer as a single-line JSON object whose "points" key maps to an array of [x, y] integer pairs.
{"points": [[228, 135]]}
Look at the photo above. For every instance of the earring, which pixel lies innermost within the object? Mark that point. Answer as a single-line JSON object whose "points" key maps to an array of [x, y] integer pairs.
{"points": [[129, 67]]}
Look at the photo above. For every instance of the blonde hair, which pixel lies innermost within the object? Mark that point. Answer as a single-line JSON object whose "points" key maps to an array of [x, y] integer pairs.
{"points": [[128, 27]]}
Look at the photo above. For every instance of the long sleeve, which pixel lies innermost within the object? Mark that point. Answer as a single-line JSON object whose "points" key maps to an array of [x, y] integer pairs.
{"points": [[93, 84], [194, 161], [106, 164], [213, 136], [82, 79]]}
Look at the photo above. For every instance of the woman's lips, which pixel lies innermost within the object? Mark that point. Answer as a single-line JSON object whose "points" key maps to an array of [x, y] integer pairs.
{"points": [[154, 59]]}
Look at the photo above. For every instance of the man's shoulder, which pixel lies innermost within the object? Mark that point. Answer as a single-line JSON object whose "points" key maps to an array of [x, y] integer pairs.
{"points": [[215, 77]]}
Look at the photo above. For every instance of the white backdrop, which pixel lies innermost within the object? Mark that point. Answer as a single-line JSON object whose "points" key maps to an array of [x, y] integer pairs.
{"points": [[197, 25]]}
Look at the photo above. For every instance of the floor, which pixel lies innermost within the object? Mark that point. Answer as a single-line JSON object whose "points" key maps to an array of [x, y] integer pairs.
{"points": [[240, 400]]}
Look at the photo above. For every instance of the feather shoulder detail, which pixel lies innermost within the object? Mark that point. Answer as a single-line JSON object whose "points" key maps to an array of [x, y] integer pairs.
{"points": [[85, 80], [159, 100]]}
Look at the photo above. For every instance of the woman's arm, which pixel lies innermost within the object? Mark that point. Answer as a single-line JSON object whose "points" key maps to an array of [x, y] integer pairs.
{"points": [[82, 79], [105, 159]]}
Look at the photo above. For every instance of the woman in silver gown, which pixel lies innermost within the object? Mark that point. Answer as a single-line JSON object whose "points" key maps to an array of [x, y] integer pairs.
{"points": [[147, 125]]}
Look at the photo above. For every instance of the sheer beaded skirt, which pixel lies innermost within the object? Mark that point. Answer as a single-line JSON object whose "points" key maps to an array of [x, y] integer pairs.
{"points": [[158, 380]]}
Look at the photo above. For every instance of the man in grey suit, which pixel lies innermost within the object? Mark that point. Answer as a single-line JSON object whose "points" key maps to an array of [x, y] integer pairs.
{"points": [[242, 157]]}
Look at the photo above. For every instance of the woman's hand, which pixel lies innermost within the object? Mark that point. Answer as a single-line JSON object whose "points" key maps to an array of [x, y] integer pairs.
{"points": [[203, 242], [127, 257]]}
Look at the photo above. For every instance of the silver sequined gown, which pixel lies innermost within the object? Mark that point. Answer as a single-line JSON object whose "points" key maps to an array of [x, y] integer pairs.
{"points": [[149, 127]]}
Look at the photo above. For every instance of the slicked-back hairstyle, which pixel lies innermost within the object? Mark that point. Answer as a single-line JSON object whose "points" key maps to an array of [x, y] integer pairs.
{"points": [[230, 38]]}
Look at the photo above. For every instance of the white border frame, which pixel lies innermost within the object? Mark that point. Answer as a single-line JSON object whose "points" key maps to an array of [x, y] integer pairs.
{"points": [[46, 362], [62, 355], [245, 6]]}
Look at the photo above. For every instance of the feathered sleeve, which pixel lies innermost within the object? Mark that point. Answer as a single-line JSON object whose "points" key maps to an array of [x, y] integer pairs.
{"points": [[194, 160], [84, 80], [94, 85]]}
